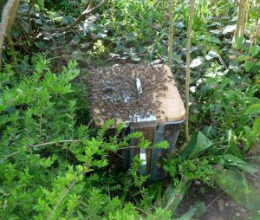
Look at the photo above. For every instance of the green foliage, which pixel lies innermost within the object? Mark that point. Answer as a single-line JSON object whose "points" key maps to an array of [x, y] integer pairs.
{"points": [[188, 170], [50, 167], [197, 145], [237, 186], [54, 166]]}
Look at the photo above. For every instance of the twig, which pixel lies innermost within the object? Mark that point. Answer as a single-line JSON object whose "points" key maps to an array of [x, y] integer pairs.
{"points": [[142, 211], [62, 197], [54, 142], [131, 147], [10, 155], [215, 200], [90, 122]]}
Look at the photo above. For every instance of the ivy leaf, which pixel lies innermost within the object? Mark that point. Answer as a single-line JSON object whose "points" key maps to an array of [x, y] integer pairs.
{"points": [[254, 50], [214, 40], [196, 62], [248, 65], [212, 54], [75, 40], [134, 57]]}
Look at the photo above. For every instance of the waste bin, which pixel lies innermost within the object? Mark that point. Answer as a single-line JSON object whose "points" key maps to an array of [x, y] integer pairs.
{"points": [[144, 98]]}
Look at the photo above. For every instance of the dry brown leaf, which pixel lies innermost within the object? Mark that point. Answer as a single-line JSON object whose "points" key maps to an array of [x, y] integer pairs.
{"points": [[221, 204]]}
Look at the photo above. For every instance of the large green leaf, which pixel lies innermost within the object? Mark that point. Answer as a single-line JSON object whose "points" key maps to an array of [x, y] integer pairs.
{"points": [[236, 186], [188, 215], [256, 126], [198, 143], [253, 109], [174, 194], [231, 160], [254, 50]]}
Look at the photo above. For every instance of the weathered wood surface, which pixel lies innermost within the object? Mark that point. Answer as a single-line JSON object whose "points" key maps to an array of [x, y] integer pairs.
{"points": [[172, 108]]}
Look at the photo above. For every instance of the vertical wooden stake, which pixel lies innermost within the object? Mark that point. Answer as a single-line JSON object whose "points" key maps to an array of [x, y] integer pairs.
{"points": [[241, 20], [187, 85], [170, 44]]}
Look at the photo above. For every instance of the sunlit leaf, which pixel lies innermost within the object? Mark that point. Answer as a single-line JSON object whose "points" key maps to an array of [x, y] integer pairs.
{"points": [[248, 65], [229, 29], [196, 62], [254, 50], [253, 109], [232, 160], [256, 126], [212, 54]]}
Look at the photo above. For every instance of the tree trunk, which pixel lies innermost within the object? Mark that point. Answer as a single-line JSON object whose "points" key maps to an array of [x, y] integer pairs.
{"points": [[187, 85], [8, 18], [241, 20]]}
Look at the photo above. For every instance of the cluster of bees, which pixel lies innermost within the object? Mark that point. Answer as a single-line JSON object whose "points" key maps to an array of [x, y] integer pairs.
{"points": [[123, 91]]}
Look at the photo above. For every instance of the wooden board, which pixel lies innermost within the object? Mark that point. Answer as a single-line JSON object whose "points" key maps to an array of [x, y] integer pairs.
{"points": [[172, 107]]}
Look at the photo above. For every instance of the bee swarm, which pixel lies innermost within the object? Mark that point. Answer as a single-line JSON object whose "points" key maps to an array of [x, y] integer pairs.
{"points": [[123, 91]]}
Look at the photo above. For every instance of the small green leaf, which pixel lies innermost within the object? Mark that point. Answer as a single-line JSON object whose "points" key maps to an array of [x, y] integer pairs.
{"points": [[248, 65], [243, 58], [40, 3], [134, 57], [253, 109], [75, 40], [254, 50], [256, 126]]}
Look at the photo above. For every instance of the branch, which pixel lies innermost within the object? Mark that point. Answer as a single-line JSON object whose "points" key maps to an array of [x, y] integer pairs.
{"points": [[54, 142], [81, 17], [62, 197]]}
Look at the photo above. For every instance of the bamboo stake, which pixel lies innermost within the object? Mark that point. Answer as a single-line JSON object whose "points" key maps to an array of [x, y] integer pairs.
{"points": [[187, 85], [170, 44], [241, 21]]}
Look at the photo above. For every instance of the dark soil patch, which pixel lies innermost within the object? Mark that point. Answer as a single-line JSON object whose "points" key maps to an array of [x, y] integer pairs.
{"points": [[219, 205]]}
